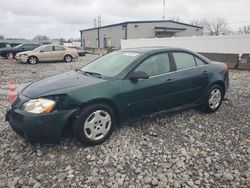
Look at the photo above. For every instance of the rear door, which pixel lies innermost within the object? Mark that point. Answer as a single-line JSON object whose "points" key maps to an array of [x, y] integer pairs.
{"points": [[191, 77], [58, 53]]}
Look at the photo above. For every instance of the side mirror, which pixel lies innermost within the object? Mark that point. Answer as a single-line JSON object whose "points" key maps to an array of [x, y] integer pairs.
{"points": [[139, 75], [22, 48], [41, 51]]}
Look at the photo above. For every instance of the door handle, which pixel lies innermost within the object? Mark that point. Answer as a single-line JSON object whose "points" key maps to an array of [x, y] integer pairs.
{"points": [[205, 73], [169, 80]]}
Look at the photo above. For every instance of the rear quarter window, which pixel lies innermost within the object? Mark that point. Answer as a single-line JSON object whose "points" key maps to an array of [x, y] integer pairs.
{"points": [[183, 60], [199, 62], [59, 48]]}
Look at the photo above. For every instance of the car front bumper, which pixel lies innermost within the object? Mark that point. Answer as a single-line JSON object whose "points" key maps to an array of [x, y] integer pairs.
{"points": [[39, 128], [21, 59]]}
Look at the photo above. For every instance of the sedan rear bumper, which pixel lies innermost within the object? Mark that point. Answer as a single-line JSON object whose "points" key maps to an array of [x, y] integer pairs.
{"points": [[39, 128]]}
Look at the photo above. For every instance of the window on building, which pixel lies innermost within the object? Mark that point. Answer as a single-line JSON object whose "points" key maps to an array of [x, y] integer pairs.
{"points": [[155, 65], [183, 60]]}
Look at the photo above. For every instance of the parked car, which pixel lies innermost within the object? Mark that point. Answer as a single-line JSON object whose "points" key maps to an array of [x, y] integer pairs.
{"points": [[47, 53], [81, 51], [11, 52], [122, 85]]}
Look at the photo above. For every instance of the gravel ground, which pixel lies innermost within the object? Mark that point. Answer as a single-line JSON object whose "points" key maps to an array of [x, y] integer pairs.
{"points": [[181, 149]]}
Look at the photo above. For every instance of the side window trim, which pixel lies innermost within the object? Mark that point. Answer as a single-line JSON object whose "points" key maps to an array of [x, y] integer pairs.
{"points": [[196, 57]]}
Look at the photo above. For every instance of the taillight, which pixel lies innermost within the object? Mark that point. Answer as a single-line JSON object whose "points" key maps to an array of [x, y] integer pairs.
{"points": [[225, 68]]}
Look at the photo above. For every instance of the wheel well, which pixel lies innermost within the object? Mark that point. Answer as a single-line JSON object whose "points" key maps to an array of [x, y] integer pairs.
{"points": [[109, 103], [221, 84], [69, 124], [69, 55], [34, 57]]}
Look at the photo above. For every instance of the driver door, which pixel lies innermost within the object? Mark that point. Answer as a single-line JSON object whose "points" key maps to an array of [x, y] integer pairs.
{"points": [[152, 94], [46, 54]]}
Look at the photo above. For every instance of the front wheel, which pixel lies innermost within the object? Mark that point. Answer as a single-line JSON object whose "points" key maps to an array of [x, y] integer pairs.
{"points": [[214, 98], [95, 124]]}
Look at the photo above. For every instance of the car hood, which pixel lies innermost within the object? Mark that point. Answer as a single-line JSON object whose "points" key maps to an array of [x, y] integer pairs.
{"points": [[59, 84]]}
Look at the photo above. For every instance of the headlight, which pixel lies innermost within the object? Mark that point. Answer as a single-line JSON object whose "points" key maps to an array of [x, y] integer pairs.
{"points": [[24, 55], [38, 106]]}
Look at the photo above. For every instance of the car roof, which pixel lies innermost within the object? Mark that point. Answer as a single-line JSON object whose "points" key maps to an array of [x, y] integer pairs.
{"points": [[45, 45], [153, 49], [30, 43]]}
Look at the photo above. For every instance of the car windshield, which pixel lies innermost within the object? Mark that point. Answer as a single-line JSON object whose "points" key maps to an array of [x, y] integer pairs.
{"points": [[112, 64], [18, 46]]}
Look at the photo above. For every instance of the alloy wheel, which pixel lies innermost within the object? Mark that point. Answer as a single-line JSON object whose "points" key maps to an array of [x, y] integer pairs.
{"points": [[68, 59], [97, 125], [214, 98], [32, 60]]}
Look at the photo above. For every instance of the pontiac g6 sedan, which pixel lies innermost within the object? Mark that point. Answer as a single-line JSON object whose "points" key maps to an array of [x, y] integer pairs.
{"points": [[122, 85]]}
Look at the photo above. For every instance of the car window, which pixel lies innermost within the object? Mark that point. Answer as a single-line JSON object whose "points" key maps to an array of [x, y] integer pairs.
{"points": [[47, 49], [29, 46], [183, 60], [59, 48], [155, 65], [25, 46], [199, 62]]}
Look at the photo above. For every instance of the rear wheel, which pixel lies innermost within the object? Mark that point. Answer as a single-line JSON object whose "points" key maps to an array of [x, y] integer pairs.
{"points": [[68, 58], [95, 124], [32, 60], [214, 98]]}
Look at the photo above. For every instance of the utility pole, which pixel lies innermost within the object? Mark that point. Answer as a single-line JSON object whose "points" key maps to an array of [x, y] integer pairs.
{"points": [[164, 9]]}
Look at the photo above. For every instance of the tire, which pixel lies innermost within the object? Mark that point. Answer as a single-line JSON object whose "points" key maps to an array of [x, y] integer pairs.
{"points": [[214, 98], [68, 58], [91, 128], [32, 60], [10, 54]]}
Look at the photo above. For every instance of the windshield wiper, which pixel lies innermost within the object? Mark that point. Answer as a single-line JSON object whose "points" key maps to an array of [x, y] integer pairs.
{"points": [[98, 75]]}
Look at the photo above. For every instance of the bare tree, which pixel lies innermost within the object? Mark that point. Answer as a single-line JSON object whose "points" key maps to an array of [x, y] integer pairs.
{"points": [[216, 26], [40, 38], [244, 30], [62, 40], [204, 23], [1, 37]]}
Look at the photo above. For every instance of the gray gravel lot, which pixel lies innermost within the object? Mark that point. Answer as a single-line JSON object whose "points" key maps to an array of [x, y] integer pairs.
{"points": [[180, 149]]}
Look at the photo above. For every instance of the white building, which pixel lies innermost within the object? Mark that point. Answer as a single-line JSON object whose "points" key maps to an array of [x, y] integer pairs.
{"points": [[111, 35]]}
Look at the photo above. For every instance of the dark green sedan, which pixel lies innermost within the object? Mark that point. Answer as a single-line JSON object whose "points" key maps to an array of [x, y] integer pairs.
{"points": [[122, 85]]}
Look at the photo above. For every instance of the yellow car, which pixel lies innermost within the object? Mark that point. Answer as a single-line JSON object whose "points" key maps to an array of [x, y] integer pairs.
{"points": [[47, 53]]}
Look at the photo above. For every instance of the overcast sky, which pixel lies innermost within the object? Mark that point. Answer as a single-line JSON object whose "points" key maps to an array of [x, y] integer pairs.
{"points": [[64, 18]]}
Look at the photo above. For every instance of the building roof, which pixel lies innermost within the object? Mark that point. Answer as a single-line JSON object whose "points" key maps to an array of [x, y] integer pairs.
{"points": [[146, 21], [171, 28]]}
